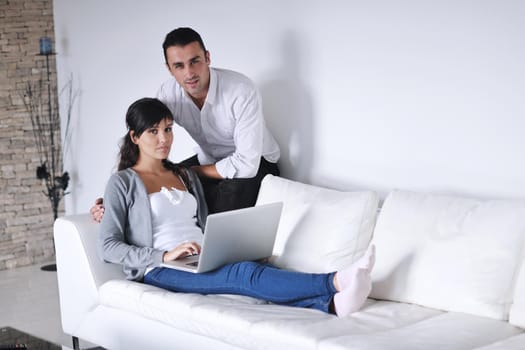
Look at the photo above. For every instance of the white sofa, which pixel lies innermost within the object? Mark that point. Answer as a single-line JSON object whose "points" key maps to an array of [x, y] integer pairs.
{"points": [[449, 275]]}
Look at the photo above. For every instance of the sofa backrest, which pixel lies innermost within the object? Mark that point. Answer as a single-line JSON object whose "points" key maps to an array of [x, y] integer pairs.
{"points": [[449, 253], [321, 230]]}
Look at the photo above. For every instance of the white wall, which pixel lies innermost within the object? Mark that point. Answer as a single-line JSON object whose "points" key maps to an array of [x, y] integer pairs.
{"points": [[421, 95]]}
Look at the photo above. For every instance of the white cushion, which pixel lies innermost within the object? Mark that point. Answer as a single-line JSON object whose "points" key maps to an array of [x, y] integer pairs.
{"points": [[251, 324], [448, 331], [449, 253], [517, 309], [512, 343], [321, 230]]}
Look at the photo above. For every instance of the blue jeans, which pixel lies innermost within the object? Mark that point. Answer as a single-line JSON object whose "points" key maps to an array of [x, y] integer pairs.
{"points": [[252, 279]]}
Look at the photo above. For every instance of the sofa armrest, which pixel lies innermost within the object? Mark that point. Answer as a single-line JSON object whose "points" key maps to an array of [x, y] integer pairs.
{"points": [[79, 270]]}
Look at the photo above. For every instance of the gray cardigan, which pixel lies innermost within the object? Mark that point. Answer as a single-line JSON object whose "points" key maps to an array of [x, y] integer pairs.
{"points": [[125, 235]]}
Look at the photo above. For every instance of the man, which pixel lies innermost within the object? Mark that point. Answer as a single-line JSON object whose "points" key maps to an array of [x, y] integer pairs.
{"points": [[222, 112]]}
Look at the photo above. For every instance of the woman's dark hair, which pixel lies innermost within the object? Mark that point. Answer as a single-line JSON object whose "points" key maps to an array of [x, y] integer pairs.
{"points": [[181, 37], [142, 115]]}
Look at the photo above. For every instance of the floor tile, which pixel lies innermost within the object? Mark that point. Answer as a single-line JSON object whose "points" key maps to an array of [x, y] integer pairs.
{"points": [[29, 302]]}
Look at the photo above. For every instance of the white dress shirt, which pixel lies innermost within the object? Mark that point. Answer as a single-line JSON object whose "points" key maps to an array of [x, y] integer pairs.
{"points": [[230, 129]]}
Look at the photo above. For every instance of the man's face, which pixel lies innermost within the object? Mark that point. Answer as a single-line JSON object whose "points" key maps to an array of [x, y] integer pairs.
{"points": [[189, 65]]}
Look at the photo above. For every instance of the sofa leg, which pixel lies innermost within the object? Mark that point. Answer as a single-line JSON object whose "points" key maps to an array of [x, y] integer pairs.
{"points": [[76, 346]]}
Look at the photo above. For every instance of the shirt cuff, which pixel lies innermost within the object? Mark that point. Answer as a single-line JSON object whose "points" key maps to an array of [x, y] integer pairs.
{"points": [[158, 256], [225, 168]]}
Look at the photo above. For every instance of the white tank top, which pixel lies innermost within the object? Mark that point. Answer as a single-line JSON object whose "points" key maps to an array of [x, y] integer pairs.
{"points": [[173, 217]]}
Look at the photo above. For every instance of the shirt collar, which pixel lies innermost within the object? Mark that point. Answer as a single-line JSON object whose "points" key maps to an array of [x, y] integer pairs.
{"points": [[212, 90]]}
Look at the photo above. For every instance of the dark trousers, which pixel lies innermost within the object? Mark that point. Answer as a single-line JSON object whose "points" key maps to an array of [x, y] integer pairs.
{"points": [[230, 194]]}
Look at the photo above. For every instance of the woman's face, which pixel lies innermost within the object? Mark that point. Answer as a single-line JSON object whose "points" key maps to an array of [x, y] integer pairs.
{"points": [[155, 142]]}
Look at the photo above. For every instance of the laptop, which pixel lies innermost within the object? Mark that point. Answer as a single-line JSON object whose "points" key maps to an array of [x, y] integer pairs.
{"points": [[238, 235]]}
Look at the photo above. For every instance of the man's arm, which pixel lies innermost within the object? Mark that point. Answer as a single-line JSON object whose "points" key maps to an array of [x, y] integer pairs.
{"points": [[248, 139], [209, 171]]}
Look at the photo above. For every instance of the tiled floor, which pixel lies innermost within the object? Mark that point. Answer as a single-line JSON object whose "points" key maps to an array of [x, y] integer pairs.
{"points": [[29, 302]]}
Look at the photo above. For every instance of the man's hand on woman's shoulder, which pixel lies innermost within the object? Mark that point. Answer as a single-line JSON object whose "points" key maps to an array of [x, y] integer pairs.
{"points": [[97, 211]]}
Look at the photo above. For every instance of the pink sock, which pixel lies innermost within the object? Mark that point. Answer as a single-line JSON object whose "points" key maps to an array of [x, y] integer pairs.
{"points": [[366, 262], [353, 297]]}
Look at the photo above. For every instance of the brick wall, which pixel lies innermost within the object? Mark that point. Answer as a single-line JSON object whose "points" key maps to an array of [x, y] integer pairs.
{"points": [[26, 217]]}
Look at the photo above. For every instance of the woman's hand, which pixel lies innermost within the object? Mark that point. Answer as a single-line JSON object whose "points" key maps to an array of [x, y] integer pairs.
{"points": [[97, 210], [181, 251]]}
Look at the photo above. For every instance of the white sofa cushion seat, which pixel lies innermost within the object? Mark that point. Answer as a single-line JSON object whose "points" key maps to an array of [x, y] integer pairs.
{"points": [[449, 253], [517, 309], [245, 322], [321, 230], [516, 342], [450, 331]]}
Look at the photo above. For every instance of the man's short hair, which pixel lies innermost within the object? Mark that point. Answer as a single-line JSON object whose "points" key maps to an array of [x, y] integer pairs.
{"points": [[181, 37]]}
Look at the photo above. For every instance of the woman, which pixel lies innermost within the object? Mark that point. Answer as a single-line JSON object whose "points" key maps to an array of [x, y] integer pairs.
{"points": [[155, 212]]}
